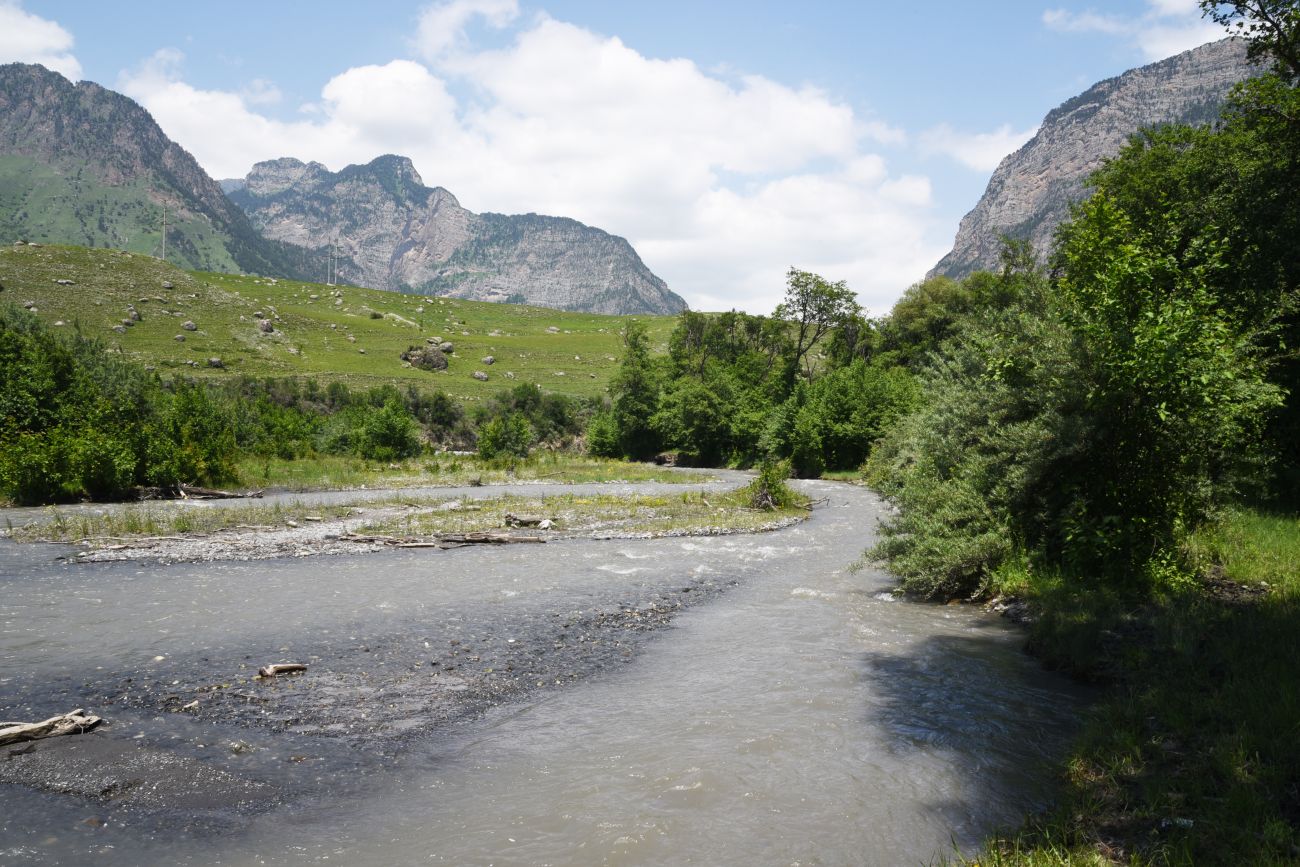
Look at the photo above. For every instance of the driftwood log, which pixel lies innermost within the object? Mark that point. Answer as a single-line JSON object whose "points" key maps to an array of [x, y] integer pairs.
{"points": [[71, 723], [280, 668], [451, 540], [513, 520], [193, 492]]}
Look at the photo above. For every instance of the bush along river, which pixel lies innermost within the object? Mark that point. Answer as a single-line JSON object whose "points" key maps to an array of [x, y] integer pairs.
{"points": [[742, 699]]}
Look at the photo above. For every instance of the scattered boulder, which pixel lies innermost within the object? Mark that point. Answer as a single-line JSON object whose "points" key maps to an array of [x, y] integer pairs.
{"points": [[448, 347], [265, 326], [553, 330], [425, 358], [133, 314], [29, 304], [66, 282], [120, 329], [479, 375], [487, 359], [217, 363], [189, 325], [128, 322], [362, 350], [167, 284], [179, 338]]}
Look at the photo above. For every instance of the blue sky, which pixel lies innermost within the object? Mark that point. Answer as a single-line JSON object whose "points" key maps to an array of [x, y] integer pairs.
{"points": [[727, 141]]}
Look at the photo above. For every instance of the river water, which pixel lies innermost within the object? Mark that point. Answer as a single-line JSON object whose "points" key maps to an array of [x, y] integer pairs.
{"points": [[796, 714]]}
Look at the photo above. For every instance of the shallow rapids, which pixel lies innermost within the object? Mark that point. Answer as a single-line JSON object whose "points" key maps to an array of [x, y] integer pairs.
{"points": [[717, 700]]}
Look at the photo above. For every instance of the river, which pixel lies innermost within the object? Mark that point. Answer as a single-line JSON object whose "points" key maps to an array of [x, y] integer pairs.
{"points": [[700, 700]]}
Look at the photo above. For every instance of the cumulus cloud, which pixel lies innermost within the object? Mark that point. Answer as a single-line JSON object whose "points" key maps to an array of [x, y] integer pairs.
{"points": [[28, 38], [442, 26], [1166, 28], [981, 151], [721, 182]]}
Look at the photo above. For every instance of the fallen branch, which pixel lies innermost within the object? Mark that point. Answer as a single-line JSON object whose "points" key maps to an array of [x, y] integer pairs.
{"points": [[192, 492], [513, 520], [489, 539], [71, 723], [280, 668], [454, 540]]}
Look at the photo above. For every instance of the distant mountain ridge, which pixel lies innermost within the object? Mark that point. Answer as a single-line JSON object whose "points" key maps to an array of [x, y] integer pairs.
{"points": [[81, 164], [390, 231], [1031, 191]]}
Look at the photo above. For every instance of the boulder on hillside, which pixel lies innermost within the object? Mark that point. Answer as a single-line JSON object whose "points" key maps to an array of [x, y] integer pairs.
{"points": [[447, 347], [425, 358]]}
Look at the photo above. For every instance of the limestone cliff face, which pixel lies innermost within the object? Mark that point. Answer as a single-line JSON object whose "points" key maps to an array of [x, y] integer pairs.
{"points": [[393, 232], [1031, 192]]}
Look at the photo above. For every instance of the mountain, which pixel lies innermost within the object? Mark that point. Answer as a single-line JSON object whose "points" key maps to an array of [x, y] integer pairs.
{"points": [[80, 164], [1031, 192], [389, 231]]}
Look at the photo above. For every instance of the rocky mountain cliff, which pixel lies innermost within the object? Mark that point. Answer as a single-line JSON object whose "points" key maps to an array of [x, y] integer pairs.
{"points": [[390, 231], [80, 164], [1031, 192]]}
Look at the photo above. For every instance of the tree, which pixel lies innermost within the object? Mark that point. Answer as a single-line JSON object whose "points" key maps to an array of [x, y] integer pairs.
{"points": [[509, 436], [1270, 27], [815, 306], [637, 395]]}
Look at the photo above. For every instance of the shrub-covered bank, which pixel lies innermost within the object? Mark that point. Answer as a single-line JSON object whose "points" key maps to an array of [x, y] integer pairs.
{"points": [[78, 422]]}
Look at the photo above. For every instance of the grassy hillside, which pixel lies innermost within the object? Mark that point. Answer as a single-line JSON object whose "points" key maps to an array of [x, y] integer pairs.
{"points": [[41, 202], [344, 333]]}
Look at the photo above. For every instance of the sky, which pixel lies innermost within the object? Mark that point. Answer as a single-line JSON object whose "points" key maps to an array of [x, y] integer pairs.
{"points": [[728, 141]]}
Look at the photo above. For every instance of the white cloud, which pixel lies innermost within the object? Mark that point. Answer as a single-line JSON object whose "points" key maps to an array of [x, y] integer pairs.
{"points": [[981, 151], [442, 26], [28, 38], [721, 183], [259, 91], [1166, 28]]}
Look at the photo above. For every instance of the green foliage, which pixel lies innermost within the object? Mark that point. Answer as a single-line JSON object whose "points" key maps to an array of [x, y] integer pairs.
{"points": [[388, 433], [602, 436], [200, 438], [834, 422], [693, 419], [553, 418], [1094, 423], [509, 436], [815, 306], [80, 424], [769, 490], [636, 390]]}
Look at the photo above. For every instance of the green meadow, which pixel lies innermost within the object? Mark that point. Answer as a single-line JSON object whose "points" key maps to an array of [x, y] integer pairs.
{"points": [[343, 333]]}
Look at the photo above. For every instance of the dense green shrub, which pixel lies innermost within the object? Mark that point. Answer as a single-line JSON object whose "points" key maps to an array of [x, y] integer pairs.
{"points": [[1092, 424], [388, 433], [509, 436], [769, 490], [602, 436]]}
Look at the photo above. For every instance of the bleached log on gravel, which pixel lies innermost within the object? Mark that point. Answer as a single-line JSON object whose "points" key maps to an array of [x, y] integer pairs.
{"points": [[71, 723]]}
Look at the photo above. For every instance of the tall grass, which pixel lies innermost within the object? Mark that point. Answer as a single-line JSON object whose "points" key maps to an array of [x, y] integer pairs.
{"points": [[1194, 756]]}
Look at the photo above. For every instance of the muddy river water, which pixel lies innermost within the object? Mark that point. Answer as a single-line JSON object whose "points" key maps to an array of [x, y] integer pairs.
{"points": [[701, 700]]}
